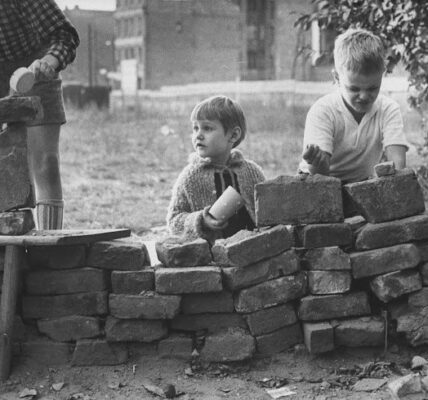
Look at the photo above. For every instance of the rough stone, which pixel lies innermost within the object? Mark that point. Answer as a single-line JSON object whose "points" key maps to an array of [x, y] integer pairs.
{"points": [[394, 284], [119, 254], [176, 346], [380, 261], [46, 352], [199, 303], [94, 303], [390, 233], [50, 282], [175, 251], [326, 259], [283, 264], [414, 324], [423, 269], [298, 200], [188, 280], [318, 308], [270, 319], [359, 332], [280, 340], [15, 185], [384, 169], [16, 222], [57, 257], [148, 305], [319, 337], [135, 330], [71, 328], [271, 293], [404, 386], [388, 198], [419, 298], [233, 344], [423, 250], [132, 282], [324, 235], [248, 247], [99, 352], [209, 322], [329, 282]]}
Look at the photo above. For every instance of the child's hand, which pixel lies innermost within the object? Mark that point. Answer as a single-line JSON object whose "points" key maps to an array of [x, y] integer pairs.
{"points": [[317, 158], [44, 68], [212, 223]]}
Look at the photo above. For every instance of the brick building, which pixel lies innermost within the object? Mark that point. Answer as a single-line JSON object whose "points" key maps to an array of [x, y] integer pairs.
{"points": [[186, 41]]}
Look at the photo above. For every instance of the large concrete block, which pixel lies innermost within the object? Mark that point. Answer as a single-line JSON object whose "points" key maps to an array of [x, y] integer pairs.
{"points": [[132, 282], [359, 332], [99, 352], [50, 282], [233, 344], [248, 247], [148, 305], [329, 282], [274, 342], [47, 352], [324, 235], [199, 303], [395, 284], [298, 200], [423, 269], [326, 259], [135, 330], [70, 328], [385, 234], [15, 185], [119, 254], [319, 337], [35, 307], [318, 308], [419, 298], [16, 222], [283, 264], [270, 319], [176, 251], [388, 198], [57, 257], [271, 293], [188, 280], [387, 259], [176, 346], [414, 324], [210, 322]]}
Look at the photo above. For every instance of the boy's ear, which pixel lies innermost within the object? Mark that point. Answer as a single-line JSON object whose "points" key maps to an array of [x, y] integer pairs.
{"points": [[235, 134], [335, 75]]}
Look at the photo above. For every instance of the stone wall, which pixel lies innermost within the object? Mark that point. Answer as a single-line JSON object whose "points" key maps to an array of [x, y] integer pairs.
{"points": [[306, 275]]}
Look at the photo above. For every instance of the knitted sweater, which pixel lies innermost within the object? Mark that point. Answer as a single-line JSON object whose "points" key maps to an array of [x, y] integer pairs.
{"points": [[195, 190]]}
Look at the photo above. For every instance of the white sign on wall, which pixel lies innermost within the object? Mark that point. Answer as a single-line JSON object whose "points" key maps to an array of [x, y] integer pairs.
{"points": [[129, 81]]}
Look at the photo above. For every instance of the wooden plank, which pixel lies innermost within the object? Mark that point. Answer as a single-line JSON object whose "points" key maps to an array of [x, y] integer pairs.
{"points": [[64, 237], [14, 258], [20, 109]]}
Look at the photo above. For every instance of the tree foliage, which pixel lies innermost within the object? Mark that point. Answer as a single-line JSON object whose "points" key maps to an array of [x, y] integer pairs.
{"points": [[402, 25]]}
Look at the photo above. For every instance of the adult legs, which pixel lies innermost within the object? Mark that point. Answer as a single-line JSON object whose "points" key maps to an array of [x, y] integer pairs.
{"points": [[43, 161]]}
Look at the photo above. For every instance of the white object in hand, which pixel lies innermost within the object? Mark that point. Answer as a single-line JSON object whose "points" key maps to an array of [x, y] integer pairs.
{"points": [[227, 204], [22, 80]]}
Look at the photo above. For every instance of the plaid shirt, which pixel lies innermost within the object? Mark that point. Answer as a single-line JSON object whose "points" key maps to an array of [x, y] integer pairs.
{"points": [[28, 26]]}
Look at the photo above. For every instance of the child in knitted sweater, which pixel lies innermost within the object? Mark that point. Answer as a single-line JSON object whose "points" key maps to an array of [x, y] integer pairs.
{"points": [[218, 127]]}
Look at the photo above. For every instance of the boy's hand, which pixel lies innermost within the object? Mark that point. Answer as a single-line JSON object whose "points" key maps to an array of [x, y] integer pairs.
{"points": [[44, 68], [318, 159], [212, 223]]}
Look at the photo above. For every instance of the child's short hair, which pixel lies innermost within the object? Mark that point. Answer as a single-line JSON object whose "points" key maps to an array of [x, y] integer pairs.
{"points": [[359, 50], [224, 109]]}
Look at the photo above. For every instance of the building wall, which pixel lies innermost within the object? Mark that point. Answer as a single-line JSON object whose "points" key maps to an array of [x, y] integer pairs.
{"points": [[96, 50], [191, 41]]}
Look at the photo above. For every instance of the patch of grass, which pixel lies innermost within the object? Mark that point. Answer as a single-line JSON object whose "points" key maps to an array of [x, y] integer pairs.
{"points": [[118, 168]]}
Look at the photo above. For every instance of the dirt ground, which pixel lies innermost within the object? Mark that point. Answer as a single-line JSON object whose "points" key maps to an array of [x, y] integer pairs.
{"points": [[322, 377]]}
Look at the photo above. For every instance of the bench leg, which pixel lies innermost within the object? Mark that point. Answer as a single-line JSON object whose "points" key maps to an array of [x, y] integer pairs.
{"points": [[14, 257]]}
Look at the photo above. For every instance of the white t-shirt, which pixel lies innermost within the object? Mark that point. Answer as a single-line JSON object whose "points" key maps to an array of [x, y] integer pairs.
{"points": [[355, 148]]}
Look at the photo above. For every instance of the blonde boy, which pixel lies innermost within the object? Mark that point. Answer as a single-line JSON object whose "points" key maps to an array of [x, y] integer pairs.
{"points": [[348, 132], [218, 127]]}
